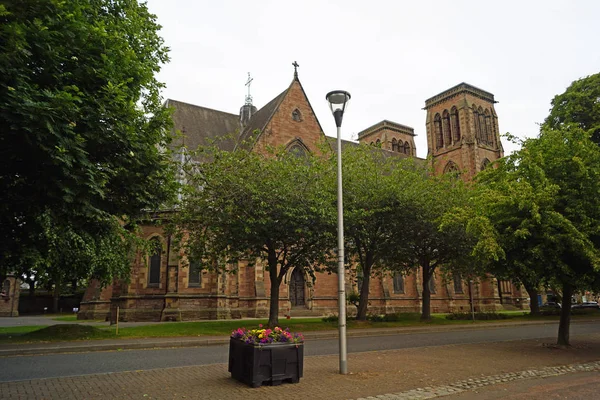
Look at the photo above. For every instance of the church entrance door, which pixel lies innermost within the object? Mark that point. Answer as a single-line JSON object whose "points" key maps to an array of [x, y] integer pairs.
{"points": [[297, 288]]}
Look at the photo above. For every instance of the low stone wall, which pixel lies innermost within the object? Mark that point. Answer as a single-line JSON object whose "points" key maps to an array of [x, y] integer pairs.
{"points": [[94, 310], [193, 307], [9, 299]]}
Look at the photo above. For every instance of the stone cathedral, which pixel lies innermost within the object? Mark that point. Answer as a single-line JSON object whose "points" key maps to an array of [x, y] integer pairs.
{"points": [[462, 135]]}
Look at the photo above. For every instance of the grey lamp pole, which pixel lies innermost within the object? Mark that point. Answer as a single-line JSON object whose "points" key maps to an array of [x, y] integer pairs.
{"points": [[338, 99]]}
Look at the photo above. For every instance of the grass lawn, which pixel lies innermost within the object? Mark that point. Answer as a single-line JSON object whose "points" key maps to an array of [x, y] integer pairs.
{"points": [[64, 332]]}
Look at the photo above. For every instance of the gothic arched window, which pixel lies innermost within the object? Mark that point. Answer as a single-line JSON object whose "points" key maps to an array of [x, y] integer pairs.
{"points": [[394, 144], [455, 125], [476, 124], [485, 164], [437, 126], [406, 148], [398, 282], [378, 143], [400, 148], [451, 168], [155, 261], [482, 136], [488, 128], [446, 128], [195, 274], [298, 149], [458, 287]]}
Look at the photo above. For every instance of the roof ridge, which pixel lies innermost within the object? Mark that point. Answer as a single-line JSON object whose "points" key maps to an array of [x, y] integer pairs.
{"points": [[195, 105], [386, 123]]}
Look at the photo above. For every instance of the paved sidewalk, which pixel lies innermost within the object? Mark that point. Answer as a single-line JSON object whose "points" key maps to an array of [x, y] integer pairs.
{"points": [[187, 341], [580, 386], [371, 374]]}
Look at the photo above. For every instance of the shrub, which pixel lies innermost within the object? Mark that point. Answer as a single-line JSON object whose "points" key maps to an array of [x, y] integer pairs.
{"points": [[480, 316], [330, 318], [354, 299], [375, 317], [394, 317]]}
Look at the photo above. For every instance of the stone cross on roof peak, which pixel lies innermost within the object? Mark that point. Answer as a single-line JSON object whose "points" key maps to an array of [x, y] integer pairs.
{"points": [[296, 65], [249, 96]]}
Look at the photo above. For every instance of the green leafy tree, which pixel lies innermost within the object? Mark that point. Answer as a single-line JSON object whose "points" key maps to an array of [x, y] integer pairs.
{"points": [[246, 206], [82, 122], [515, 208], [543, 203], [373, 216], [427, 242], [579, 105]]}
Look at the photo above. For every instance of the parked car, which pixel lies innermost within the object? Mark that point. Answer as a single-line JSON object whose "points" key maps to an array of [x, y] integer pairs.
{"points": [[586, 304], [551, 305]]}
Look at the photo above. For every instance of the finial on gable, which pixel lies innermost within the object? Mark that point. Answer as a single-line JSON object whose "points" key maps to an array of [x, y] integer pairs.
{"points": [[249, 96], [296, 65], [247, 110]]}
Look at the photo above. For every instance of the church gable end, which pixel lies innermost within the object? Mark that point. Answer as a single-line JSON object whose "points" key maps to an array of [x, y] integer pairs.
{"points": [[293, 120]]}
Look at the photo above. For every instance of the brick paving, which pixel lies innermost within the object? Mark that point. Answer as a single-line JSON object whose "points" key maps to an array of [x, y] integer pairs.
{"points": [[380, 373], [478, 383]]}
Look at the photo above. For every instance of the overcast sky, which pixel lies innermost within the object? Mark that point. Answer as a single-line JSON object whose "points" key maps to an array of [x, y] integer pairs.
{"points": [[390, 55]]}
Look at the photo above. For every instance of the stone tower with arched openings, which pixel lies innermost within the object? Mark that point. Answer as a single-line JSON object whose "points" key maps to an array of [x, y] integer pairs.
{"points": [[462, 130]]}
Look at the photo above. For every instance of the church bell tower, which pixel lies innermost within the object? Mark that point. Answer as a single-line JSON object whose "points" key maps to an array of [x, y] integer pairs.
{"points": [[462, 130]]}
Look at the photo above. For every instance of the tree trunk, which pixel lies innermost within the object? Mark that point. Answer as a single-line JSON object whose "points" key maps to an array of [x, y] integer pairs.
{"points": [[471, 302], [56, 297], [565, 316], [534, 305], [274, 299], [31, 287], [363, 304], [426, 309]]}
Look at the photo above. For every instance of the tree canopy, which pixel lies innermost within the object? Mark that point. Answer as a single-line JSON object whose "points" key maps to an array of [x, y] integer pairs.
{"points": [[428, 242], [374, 212], [543, 203], [243, 206], [83, 126], [579, 105]]}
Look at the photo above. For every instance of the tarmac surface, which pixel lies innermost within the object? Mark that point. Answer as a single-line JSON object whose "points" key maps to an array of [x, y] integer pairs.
{"points": [[514, 369]]}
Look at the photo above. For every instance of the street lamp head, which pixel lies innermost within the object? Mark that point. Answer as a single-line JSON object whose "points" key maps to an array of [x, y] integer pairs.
{"points": [[338, 99]]}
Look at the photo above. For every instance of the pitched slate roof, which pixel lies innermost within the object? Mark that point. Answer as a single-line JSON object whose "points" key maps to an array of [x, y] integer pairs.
{"points": [[259, 120], [345, 143], [386, 124], [383, 152], [201, 125]]}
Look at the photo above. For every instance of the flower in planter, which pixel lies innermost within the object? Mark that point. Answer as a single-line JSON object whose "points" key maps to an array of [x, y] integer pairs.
{"points": [[266, 336]]}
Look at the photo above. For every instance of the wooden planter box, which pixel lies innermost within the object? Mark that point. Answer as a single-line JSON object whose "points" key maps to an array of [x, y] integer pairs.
{"points": [[268, 363]]}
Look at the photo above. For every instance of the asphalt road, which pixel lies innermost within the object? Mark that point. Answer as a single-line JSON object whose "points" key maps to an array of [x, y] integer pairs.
{"points": [[60, 365]]}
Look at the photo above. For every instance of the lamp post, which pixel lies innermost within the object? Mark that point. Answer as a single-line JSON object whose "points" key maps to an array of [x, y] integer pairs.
{"points": [[338, 99]]}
